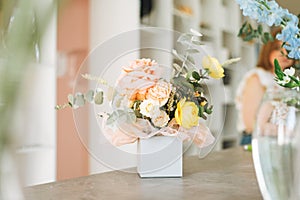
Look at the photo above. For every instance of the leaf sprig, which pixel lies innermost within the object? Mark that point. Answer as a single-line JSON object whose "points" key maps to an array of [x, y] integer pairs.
{"points": [[80, 99], [248, 33]]}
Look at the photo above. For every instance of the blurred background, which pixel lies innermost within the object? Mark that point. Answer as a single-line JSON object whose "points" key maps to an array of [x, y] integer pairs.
{"points": [[51, 149]]}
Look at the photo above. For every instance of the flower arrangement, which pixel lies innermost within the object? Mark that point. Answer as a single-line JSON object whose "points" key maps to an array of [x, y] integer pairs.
{"points": [[148, 101], [270, 13]]}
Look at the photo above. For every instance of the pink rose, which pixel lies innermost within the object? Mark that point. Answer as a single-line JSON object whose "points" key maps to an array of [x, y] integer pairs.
{"points": [[139, 77]]}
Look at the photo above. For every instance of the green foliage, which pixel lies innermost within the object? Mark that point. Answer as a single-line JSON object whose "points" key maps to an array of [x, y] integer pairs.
{"points": [[191, 88], [120, 117], [190, 41], [80, 99], [248, 33], [288, 81]]}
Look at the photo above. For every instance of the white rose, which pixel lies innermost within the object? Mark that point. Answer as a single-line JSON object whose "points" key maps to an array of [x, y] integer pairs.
{"points": [[149, 108], [161, 119]]}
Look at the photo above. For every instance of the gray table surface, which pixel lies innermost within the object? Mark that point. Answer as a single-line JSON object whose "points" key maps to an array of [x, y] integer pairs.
{"points": [[226, 174]]}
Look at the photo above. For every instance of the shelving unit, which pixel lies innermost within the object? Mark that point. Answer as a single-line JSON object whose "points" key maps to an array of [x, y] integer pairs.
{"points": [[219, 21]]}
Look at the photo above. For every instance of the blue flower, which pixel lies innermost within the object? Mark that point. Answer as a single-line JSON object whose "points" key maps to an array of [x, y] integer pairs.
{"points": [[279, 15], [270, 13], [250, 8], [294, 53], [288, 33], [293, 47], [292, 19]]}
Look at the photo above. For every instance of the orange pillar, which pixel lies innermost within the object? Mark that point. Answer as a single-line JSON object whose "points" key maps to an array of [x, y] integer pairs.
{"points": [[73, 46]]}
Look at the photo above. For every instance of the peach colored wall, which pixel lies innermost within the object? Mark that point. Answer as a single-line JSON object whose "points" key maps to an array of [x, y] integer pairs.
{"points": [[73, 43]]}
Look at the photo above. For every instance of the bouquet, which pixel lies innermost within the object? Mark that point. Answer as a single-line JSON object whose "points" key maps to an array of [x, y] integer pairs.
{"points": [[150, 99]]}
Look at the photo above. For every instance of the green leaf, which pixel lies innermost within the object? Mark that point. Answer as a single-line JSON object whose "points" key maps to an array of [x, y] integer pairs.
{"points": [[99, 98], [209, 109], [266, 37], [89, 96], [255, 34], [295, 79], [112, 118], [182, 82], [290, 85], [270, 37], [250, 27], [195, 83], [79, 100], [249, 37], [121, 116], [71, 99], [278, 70], [260, 29], [196, 75], [201, 111], [244, 27]]}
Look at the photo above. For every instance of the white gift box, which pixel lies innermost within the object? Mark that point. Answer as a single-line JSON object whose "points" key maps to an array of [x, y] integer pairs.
{"points": [[159, 156]]}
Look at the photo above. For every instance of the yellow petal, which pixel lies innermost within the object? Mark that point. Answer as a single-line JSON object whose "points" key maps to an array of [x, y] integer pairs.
{"points": [[213, 66]]}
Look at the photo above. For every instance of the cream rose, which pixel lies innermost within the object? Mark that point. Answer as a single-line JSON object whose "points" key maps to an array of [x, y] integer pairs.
{"points": [[160, 92], [161, 119]]}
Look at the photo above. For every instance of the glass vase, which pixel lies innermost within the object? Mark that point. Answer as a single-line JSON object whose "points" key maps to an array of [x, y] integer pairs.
{"points": [[276, 145]]}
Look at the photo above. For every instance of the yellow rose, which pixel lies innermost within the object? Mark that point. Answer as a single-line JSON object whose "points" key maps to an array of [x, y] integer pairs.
{"points": [[214, 67], [186, 113]]}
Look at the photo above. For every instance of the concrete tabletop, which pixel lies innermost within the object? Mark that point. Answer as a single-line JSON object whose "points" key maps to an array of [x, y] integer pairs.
{"points": [[227, 174]]}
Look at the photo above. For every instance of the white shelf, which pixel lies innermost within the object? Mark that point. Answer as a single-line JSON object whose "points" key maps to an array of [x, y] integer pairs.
{"points": [[219, 21]]}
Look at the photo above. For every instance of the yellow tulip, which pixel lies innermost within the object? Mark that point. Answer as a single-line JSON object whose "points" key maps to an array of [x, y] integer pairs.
{"points": [[214, 67], [186, 113]]}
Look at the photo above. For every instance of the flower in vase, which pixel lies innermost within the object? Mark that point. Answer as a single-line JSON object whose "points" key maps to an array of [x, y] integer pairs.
{"points": [[138, 78], [160, 120], [213, 66], [149, 108], [141, 64], [160, 92], [150, 99], [186, 114]]}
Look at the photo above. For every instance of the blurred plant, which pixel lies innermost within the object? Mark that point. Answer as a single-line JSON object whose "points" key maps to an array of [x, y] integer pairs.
{"points": [[20, 36]]}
